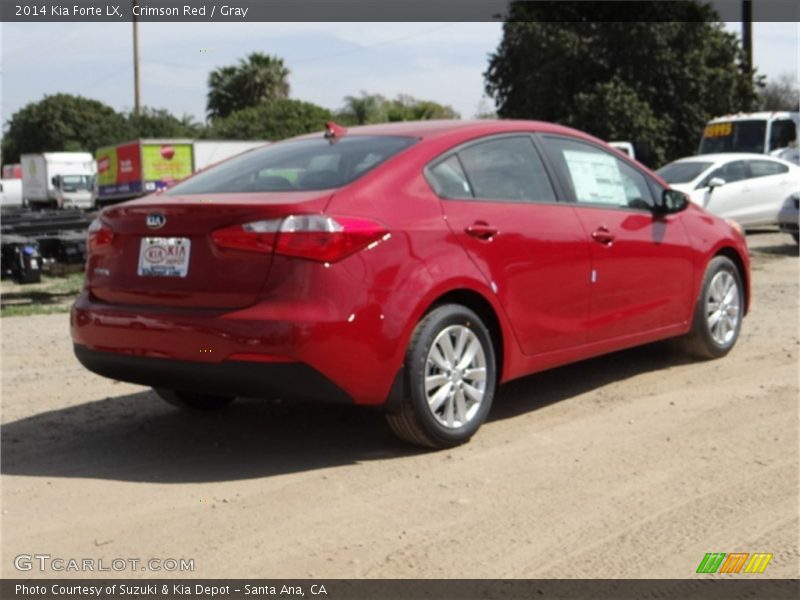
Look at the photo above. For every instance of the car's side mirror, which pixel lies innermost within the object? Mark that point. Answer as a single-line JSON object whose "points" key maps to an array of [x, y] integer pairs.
{"points": [[716, 182], [672, 201], [55, 180]]}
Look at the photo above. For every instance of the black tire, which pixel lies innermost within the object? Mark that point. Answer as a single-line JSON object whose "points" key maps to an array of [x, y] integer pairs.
{"points": [[193, 401], [701, 341], [416, 422], [796, 237]]}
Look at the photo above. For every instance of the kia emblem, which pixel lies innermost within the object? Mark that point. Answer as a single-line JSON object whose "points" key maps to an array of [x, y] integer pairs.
{"points": [[156, 220]]}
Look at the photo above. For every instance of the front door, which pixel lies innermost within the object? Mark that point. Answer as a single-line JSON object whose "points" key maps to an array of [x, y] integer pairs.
{"points": [[641, 260]]}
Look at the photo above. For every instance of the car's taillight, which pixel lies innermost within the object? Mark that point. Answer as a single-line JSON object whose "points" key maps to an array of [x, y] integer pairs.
{"points": [[100, 236], [258, 236], [314, 237]]}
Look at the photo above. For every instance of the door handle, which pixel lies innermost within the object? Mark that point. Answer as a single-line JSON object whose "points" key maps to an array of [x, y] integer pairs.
{"points": [[481, 230], [603, 236]]}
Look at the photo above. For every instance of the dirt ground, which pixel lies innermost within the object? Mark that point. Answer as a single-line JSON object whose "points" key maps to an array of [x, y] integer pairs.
{"points": [[630, 465]]}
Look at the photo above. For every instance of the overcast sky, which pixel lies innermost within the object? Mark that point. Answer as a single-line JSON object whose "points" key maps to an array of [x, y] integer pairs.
{"points": [[436, 61]]}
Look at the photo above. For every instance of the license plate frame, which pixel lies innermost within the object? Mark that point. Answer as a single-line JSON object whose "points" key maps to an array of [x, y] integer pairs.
{"points": [[164, 257]]}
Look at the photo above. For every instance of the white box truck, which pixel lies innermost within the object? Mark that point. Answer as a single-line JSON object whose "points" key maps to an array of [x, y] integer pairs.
{"points": [[208, 152], [58, 179]]}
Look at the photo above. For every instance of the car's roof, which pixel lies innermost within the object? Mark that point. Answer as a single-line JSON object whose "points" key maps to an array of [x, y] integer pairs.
{"points": [[724, 156], [434, 128], [764, 115]]}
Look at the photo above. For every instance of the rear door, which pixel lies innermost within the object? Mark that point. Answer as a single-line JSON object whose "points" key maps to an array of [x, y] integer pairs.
{"points": [[770, 183], [501, 205], [642, 270]]}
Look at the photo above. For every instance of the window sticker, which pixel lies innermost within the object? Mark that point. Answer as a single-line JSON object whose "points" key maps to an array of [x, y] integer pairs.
{"points": [[596, 177]]}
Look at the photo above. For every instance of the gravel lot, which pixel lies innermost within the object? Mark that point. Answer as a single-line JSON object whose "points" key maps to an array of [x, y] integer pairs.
{"points": [[630, 465]]}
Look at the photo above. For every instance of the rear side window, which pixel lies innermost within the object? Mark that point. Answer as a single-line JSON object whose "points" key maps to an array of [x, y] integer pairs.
{"points": [[301, 165], [507, 168], [448, 179], [598, 177], [765, 168]]}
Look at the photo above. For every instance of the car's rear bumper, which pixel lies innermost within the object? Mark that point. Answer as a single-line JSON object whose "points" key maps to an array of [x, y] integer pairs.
{"points": [[279, 380], [789, 216], [285, 349]]}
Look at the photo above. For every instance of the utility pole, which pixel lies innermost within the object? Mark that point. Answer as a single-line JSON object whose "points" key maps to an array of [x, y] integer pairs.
{"points": [[747, 34], [137, 99]]}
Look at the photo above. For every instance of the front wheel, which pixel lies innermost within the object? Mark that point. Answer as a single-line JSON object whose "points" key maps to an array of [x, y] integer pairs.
{"points": [[719, 311], [193, 401], [450, 379]]}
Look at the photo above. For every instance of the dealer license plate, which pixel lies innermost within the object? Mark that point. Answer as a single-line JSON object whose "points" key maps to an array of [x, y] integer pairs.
{"points": [[164, 257]]}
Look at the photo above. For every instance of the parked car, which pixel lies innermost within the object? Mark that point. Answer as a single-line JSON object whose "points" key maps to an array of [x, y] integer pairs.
{"points": [[789, 217], [748, 188], [626, 147], [408, 266]]}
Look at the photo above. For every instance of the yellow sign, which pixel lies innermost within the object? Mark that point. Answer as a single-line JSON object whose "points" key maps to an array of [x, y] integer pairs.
{"points": [[718, 130]]}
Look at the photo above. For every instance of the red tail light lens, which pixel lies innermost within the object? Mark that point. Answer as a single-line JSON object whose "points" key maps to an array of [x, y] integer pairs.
{"points": [[250, 237], [100, 237], [313, 237]]}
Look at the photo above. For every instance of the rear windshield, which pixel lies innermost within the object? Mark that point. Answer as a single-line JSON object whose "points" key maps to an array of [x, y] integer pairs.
{"points": [[311, 164], [682, 172]]}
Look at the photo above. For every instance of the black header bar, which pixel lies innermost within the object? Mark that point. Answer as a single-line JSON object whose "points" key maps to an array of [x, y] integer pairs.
{"points": [[249, 11]]}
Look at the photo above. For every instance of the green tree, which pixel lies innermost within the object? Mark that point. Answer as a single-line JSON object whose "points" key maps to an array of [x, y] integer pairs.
{"points": [[273, 121], [63, 122], [160, 123], [655, 81], [363, 109], [258, 79], [781, 94], [408, 108], [374, 108]]}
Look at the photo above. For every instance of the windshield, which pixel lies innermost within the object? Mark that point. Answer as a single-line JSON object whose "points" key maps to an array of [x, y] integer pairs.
{"points": [[311, 164], [76, 183], [682, 172], [734, 136]]}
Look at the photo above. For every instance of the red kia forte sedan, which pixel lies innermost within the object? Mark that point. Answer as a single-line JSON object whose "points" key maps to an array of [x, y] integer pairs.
{"points": [[408, 266]]}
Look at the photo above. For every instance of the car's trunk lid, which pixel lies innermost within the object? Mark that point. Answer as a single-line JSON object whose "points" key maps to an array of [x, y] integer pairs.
{"points": [[206, 277]]}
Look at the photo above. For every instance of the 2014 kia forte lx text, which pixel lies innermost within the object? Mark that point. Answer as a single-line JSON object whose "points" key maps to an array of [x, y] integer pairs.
{"points": [[411, 266]]}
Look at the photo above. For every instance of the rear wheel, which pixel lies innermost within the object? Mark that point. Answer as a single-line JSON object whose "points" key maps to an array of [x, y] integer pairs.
{"points": [[450, 379], [193, 401], [719, 311]]}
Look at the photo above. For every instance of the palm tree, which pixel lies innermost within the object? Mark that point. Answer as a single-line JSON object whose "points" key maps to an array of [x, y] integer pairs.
{"points": [[258, 79], [363, 109]]}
